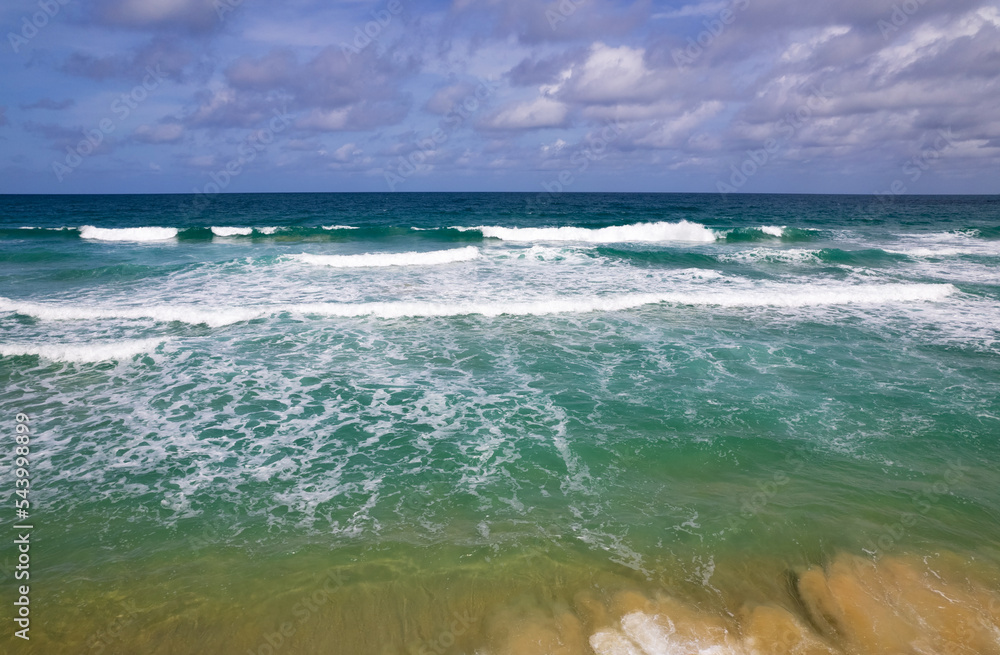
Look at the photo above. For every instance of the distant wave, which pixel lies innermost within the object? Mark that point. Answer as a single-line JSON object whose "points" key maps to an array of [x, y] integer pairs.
{"points": [[947, 244], [128, 233], [771, 255], [190, 233], [659, 232], [637, 232], [867, 257], [933, 252], [270, 230], [391, 259], [195, 315], [775, 296], [767, 233], [871, 257], [658, 257], [232, 231], [988, 232], [83, 352], [947, 251]]}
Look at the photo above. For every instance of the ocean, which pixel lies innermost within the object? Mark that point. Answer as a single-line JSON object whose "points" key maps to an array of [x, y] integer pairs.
{"points": [[502, 424]]}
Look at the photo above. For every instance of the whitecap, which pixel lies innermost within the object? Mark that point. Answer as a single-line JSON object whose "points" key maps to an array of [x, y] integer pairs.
{"points": [[95, 351], [232, 231], [637, 232], [128, 233], [380, 259]]}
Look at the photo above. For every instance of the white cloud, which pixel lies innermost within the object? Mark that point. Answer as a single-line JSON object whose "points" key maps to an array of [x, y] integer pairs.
{"points": [[541, 112], [801, 50], [613, 75], [325, 121], [928, 40], [675, 132], [701, 9], [166, 133], [346, 152], [198, 15]]}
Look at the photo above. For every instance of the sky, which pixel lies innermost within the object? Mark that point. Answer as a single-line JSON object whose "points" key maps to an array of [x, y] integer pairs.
{"points": [[728, 96]]}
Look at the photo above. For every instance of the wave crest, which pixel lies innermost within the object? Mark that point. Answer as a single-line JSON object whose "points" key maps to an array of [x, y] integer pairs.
{"points": [[380, 259], [128, 233], [233, 231], [782, 297], [84, 352], [637, 232]]}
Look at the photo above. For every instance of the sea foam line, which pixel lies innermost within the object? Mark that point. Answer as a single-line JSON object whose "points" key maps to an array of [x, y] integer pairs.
{"points": [[84, 352], [128, 233], [193, 315], [637, 232], [786, 297], [946, 251], [380, 259]]}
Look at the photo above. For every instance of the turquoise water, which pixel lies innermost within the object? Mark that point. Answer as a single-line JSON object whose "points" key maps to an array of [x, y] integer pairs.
{"points": [[494, 403]]}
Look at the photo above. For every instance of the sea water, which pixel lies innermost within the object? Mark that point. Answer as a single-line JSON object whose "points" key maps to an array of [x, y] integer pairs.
{"points": [[504, 423]]}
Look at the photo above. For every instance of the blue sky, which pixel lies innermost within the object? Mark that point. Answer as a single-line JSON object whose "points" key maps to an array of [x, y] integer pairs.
{"points": [[856, 96]]}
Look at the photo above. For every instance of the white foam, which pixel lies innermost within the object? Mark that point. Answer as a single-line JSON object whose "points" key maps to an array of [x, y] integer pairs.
{"points": [[788, 296], [642, 634], [638, 232], [340, 227], [380, 259], [784, 296], [128, 233], [789, 255], [83, 352], [563, 254], [268, 230], [939, 252], [651, 637], [232, 231], [944, 244], [612, 642], [772, 230], [213, 317]]}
